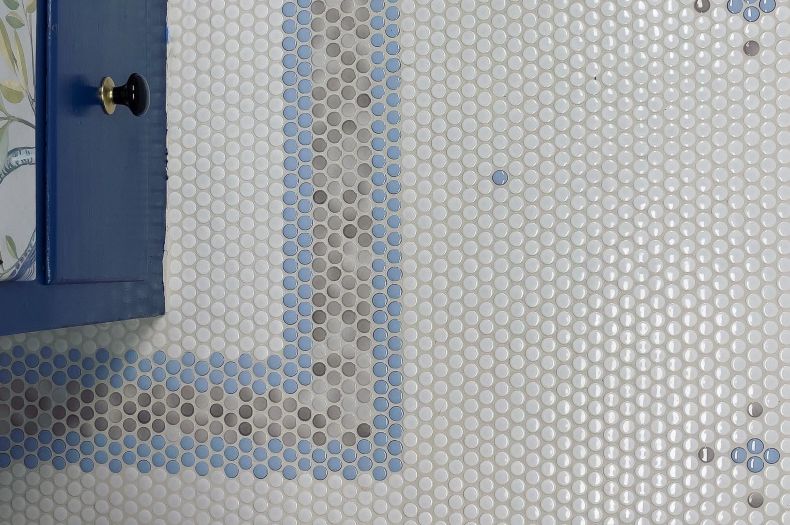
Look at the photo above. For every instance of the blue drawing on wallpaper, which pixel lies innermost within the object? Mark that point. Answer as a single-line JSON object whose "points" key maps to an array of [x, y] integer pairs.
{"points": [[751, 9], [17, 136], [342, 309]]}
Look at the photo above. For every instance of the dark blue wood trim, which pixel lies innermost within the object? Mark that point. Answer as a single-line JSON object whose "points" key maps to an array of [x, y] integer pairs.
{"points": [[30, 306]]}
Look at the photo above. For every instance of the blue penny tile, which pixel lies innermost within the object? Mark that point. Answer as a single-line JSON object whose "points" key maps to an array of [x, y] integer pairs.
{"points": [[755, 464], [771, 456], [754, 446]]}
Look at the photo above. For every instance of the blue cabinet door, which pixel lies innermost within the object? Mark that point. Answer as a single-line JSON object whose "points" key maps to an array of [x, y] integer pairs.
{"points": [[98, 164], [101, 179]]}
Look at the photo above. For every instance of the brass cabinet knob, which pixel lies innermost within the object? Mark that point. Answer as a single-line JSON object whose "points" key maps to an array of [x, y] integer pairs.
{"points": [[134, 94]]}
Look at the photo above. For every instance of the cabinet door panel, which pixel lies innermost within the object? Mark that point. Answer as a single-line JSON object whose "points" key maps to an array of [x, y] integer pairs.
{"points": [[100, 180], [98, 164]]}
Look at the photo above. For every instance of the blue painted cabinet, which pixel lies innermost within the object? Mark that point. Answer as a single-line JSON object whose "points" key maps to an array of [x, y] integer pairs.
{"points": [[83, 236]]}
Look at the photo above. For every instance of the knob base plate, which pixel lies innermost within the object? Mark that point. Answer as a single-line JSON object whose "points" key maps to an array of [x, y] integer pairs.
{"points": [[105, 94]]}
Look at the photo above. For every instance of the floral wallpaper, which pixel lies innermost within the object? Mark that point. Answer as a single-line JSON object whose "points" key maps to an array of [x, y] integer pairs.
{"points": [[17, 140]]}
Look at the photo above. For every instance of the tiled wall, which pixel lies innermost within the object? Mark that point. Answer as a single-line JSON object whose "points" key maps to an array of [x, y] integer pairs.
{"points": [[541, 281]]}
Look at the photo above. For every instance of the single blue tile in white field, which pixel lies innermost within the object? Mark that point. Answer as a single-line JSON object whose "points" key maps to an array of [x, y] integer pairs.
{"points": [[499, 177]]}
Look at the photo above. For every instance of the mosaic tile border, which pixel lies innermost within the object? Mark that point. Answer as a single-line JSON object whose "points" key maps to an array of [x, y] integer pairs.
{"points": [[331, 401]]}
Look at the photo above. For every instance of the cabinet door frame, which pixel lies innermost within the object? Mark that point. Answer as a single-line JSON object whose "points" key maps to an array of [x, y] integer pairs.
{"points": [[27, 306]]}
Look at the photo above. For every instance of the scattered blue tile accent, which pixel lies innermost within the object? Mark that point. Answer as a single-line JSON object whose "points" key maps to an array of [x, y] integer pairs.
{"points": [[771, 456], [755, 464], [754, 446], [750, 11], [499, 177], [751, 455]]}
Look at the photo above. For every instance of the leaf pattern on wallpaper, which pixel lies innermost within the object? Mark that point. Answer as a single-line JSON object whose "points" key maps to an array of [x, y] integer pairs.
{"points": [[17, 99]]}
